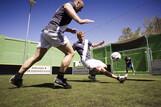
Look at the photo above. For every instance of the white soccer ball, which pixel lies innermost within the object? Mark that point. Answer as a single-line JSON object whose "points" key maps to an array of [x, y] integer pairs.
{"points": [[115, 56]]}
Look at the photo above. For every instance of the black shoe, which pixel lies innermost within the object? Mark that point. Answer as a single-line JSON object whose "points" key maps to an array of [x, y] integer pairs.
{"points": [[63, 82], [92, 77], [108, 68], [121, 79], [16, 82]]}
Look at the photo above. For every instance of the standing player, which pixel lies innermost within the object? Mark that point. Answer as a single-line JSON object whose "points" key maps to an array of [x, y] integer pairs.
{"points": [[82, 46], [53, 36], [129, 65]]}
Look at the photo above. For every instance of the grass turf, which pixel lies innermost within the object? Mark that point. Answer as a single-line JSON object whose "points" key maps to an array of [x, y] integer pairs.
{"points": [[138, 91]]}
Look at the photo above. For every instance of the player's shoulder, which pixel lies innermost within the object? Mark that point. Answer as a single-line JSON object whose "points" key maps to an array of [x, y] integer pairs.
{"points": [[75, 43], [68, 4]]}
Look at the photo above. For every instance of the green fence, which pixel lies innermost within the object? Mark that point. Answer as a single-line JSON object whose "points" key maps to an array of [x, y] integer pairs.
{"points": [[155, 46], [139, 59], [12, 53], [142, 51]]}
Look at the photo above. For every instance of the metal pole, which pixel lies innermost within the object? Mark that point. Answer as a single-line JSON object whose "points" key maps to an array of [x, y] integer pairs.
{"points": [[111, 58], [27, 34], [149, 58], [31, 4]]}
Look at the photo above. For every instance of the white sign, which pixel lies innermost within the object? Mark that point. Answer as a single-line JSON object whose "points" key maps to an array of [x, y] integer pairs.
{"points": [[40, 70]]}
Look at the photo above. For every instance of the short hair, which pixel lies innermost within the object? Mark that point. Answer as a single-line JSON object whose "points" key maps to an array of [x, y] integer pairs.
{"points": [[80, 2], [79, 33]]}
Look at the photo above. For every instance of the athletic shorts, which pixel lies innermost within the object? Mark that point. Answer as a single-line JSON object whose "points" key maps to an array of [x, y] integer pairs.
{"points": [[93, 63], [130, 65], [52, 39]]}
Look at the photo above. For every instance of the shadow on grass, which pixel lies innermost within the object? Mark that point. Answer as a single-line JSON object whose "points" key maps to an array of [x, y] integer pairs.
{"points": [[82, 81], [13, 87], [90, 81], [140, 80], [44, 85], [97, 81]]}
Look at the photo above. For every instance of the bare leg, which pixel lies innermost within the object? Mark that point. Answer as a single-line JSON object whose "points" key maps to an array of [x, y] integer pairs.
{"points": [[16, 80], [109, 74], [105, 72], [69, 53], [40, 52]]}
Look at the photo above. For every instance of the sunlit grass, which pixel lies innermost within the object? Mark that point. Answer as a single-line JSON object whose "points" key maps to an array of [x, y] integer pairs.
{"points": [[38, 91]]}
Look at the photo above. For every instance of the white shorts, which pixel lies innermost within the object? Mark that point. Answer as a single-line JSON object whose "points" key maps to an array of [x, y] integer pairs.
{"points": [[52, 39], [93, 63]]}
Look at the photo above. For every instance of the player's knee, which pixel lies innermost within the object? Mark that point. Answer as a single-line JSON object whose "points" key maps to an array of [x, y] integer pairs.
{"points": [[38, 58], [72, 54]]}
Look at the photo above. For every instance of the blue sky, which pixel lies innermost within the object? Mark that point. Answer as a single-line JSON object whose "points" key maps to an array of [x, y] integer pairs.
{"points": [[110, 16]]}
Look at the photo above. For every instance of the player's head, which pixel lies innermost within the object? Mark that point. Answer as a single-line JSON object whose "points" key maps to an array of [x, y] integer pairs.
{"points": [[79, 5], [80, 35]]}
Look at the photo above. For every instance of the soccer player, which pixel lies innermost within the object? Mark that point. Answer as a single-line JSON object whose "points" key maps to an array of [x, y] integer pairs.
{"points": [[82, 46], [129, 65], [53, 36]]}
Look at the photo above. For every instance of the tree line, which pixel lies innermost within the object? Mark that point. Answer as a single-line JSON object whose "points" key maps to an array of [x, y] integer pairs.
{"points": [[152, 27]]}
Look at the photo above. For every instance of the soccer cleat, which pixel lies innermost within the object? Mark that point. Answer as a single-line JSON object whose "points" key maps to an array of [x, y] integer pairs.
{"points": [[63, 82], [16, 81], [92, 77], [121, 79]]}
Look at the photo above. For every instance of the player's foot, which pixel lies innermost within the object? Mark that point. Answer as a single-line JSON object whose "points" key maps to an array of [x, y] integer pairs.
{"points": [[16, 81], [92, 77], [121, 79], [63, 82]]}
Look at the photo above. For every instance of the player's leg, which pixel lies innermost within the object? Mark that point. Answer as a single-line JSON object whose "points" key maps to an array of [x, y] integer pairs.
{"points": [[132, 68], [69, 53], [17, 78], [102, 69], [92, 74], [109, 68], [105, 72], [127, 66], [40, 52]]}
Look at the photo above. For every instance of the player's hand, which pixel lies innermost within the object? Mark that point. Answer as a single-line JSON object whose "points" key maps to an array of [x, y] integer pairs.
{"points": [[74, 30], [86, 21], [101, 43]]}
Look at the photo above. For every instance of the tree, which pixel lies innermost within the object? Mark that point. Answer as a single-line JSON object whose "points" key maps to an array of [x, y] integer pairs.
{"points": [[127, 34], [32, 2], [137, 33], [152, 26]]}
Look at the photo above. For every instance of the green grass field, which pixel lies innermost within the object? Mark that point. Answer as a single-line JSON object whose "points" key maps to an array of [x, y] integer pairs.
{"points": [[142, 90]]}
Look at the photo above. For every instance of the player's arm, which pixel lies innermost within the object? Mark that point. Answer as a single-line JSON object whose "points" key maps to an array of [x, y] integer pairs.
{"points": [[98, 44], [71, 12], [71, 30], [74, 48]]}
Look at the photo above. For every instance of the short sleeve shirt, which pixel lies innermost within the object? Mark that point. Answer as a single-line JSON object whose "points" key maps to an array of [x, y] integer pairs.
{"points": [[79, 47]]}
